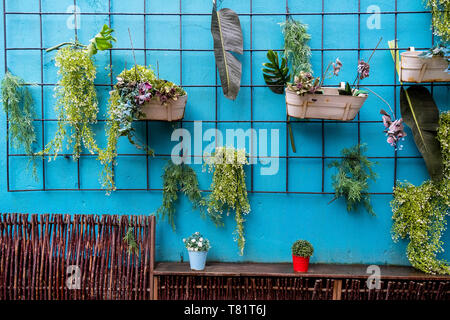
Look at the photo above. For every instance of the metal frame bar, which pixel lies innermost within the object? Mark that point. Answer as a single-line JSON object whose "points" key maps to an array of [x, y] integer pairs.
{"points": [[216, 86]]}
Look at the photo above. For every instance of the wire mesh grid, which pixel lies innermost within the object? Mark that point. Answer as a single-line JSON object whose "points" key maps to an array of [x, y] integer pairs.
{"points": [[216, 86]]}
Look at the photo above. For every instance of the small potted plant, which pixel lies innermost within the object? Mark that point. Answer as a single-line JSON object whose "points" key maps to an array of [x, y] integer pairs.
{"points": [[302, 250], [426, 66], [197, 247]]}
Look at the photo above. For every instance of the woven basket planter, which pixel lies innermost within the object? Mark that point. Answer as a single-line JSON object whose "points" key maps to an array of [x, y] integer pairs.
{"points": [[173, 111], [329, 106], [418, 69]]}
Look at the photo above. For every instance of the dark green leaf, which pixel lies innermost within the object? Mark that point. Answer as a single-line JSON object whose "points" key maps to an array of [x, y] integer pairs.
{"points": [[275, 75], [227, 34], [427, 115]]}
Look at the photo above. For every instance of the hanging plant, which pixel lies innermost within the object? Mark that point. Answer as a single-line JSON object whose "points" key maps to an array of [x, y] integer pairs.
{"points": [[77, 104], [296, 48], [352, 179], [227, 34], [228, 189], [18, 104], [179, 178], [440, 11], [419, 213], [135, 88]]}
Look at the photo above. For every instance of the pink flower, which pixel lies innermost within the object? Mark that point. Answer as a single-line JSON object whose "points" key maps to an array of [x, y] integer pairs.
{"points": [[337, 67], [363, 69]]}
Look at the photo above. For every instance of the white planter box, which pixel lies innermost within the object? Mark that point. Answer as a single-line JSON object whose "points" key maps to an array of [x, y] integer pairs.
{"points": [[418, 69], [329, 106], [173, 111]]}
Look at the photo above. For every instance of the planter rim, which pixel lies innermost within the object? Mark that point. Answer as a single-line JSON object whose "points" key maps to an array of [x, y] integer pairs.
{"points": [[329, 89]]}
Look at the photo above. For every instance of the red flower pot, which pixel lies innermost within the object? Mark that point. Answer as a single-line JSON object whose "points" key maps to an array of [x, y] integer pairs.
{"points": [[300, 263]]}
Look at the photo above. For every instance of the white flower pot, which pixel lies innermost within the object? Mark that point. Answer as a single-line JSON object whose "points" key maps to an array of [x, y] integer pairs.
{"points": [[329, 106], [173, 111], [418, 69]]}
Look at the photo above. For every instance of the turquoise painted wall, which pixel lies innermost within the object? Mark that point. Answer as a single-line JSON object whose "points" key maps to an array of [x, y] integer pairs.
{"points": [[276, 220]]}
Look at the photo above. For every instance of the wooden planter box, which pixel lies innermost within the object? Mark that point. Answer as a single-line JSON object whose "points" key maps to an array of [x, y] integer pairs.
{"points": [[329, 106], [173, 111], [418, 69]]}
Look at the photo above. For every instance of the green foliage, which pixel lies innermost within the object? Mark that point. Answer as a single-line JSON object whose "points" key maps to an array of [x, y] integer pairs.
{"points": [[131, 241], [302, 248], [102, 41], [134, 87], [352, 179], [77, 105], [179, 178], [122, 112], [305, 83], [296, 48], [440, 11], [196, 242], [275, 75], [19, 106], [228, 189], [419, 213]]}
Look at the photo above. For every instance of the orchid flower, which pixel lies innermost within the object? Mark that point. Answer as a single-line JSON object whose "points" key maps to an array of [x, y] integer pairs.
{"points": [[395, 130]]}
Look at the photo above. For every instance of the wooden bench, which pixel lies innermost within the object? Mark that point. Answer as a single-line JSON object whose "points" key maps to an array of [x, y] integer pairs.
{"points": [[277, 281]]}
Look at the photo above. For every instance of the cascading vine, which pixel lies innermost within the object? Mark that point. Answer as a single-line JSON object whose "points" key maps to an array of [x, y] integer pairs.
{"points": [[228, 189], [419, 213], [77, 105]]}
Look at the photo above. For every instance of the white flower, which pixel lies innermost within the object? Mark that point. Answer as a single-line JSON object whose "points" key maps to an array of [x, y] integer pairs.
{"points": [[193, 240], [200, 244], [201, 239], [184, 240]]}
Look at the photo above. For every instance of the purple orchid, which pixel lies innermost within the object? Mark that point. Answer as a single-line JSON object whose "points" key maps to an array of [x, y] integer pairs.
{"points": [[363, 69], [337, 67], [395, 130]]}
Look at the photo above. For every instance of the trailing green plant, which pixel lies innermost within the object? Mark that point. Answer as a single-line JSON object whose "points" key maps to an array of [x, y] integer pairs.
{"points": [[420, 212], [18, 104], [228, 189], [275, 75], [179, 178], [135, 87], [77, 105], [440, 11], [196, 242], [130, 240], [296, 48], [352, 179], [302, 248]]}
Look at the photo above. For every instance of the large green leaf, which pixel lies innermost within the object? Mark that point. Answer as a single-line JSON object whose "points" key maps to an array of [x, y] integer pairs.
{"points": [[275, 75], [227, 34], [427, 116]]}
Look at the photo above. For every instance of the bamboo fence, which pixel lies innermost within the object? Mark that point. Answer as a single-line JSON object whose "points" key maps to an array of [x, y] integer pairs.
{"points": [[81, 257]]}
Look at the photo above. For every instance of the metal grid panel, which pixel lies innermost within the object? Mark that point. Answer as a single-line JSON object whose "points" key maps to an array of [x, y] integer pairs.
{"points": [[144, 14]]}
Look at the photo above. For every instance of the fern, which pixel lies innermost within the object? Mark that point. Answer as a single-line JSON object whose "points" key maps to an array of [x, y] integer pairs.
{"points": [[19, 106], [276, 75], [296, 48], [352, 179], [179, 178]]}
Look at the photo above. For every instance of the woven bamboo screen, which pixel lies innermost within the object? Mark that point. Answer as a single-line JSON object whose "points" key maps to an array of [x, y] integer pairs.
{"points": [[84, 257]]}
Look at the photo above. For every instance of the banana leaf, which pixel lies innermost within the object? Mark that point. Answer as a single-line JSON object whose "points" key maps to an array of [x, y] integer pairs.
{"points": [[427, 116], [275, 75], [227, 34]]}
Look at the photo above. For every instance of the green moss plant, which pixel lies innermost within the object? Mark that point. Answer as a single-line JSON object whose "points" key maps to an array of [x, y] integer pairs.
{"points": [[440, 12]]}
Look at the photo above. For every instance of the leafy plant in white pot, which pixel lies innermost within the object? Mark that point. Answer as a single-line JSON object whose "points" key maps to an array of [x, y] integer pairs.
{"points": [[198, 247]]}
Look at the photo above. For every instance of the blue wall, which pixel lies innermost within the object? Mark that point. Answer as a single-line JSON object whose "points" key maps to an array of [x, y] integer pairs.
{"points": [[276, 220]]}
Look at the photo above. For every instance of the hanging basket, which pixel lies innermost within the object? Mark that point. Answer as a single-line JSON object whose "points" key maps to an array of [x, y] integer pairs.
{"points": [[418, 69], [173, 111], [329, 106]]}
